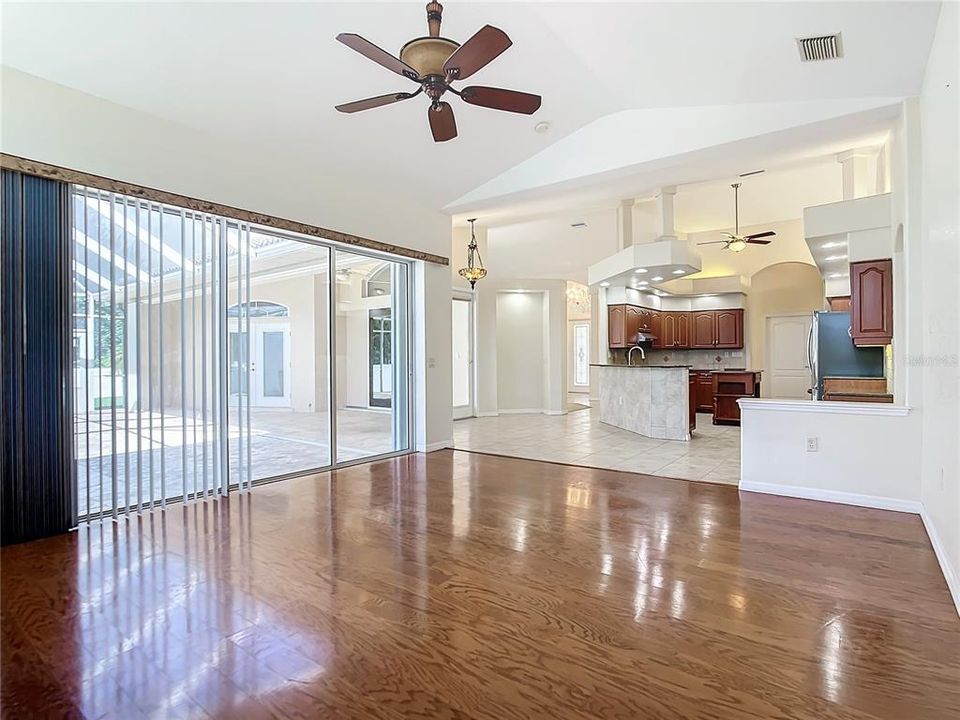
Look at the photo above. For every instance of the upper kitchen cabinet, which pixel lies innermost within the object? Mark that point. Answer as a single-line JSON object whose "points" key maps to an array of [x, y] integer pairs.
{"points": [[729, 329], [703, 332], [674, 330], [617, 325], [871, 302], [623, 324], [721, 329], [656, 328], [635, 323]]}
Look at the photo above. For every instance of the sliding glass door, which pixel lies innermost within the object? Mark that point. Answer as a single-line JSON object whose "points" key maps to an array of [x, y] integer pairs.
{"points": [[372, 416], [202, 354]]}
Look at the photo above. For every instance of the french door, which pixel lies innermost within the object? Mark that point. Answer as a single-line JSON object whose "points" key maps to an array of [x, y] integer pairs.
{"points": [[463, 356]]}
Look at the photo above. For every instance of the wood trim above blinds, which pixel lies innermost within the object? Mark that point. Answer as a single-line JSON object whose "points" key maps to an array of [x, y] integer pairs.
{"points": [[54, 172]]}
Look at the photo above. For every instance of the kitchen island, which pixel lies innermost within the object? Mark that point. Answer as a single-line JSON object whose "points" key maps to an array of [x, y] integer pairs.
{"points": [[650, 400]]}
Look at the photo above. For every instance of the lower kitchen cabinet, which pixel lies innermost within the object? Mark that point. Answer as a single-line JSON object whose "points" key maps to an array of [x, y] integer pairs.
{"points": [[704, 390], [728, 387]]}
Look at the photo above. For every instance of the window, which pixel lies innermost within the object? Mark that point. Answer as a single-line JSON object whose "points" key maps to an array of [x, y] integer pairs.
{"points": [[581, 355], [258, 309]]}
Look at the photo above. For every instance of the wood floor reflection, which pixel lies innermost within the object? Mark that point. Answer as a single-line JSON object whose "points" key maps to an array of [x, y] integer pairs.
{"points": [[466, 585]]}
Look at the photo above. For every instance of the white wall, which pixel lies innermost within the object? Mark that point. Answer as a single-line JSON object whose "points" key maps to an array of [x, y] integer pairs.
{"points": [[553, 366], [521, 353], [939, 268], [55, 124], [910, 461], [861, 459]]}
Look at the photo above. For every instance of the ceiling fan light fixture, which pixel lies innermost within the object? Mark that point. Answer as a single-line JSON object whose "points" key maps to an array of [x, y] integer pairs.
{"points": [[737, 245]]}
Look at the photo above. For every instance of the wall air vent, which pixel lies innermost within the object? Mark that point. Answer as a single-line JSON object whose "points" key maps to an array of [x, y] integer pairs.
{"points": [[578, 224], [821, 47]]}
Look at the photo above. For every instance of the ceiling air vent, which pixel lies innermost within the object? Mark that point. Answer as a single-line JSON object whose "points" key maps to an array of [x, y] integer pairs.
{"points": [[821, 47]]}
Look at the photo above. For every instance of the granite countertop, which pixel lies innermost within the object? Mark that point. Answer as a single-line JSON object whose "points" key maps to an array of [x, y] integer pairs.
{"points": [[615, 365], [727, 370]]}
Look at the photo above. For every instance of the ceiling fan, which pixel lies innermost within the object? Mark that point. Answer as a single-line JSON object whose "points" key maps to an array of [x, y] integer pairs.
{"points": [[434, 63], [737, 242]]}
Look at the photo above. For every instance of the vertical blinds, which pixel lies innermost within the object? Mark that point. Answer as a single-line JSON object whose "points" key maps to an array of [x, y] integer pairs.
{"points": [[156, 414], [36, 495]]}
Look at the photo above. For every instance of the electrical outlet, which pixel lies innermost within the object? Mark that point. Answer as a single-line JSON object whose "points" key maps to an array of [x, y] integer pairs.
{"points": [[813, 444]]}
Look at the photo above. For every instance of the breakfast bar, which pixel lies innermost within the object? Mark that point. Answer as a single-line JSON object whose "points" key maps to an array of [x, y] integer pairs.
{"points": [[650, 400]]}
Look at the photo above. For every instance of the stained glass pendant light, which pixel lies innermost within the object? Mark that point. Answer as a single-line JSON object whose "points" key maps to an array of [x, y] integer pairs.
{"points": [[474, 270]]}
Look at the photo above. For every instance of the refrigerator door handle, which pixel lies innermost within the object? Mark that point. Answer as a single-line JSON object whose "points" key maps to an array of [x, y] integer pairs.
{"points": [[811, 364]]}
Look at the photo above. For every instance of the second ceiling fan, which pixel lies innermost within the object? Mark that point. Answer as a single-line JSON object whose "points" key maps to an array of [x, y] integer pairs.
{"points": [[735, 241], [434, 63]]}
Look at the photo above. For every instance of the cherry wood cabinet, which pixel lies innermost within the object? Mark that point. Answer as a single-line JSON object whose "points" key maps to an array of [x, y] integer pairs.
{"points": [[616, 325], [728, 387], [729, 329], [656, 328], [841, 303], [721, 329], [704, 390], [871, 302], [674, 329], [623, 324], [677, 329]]}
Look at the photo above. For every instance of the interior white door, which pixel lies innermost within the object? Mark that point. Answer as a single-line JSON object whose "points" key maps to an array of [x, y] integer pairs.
{"points": [[270, 369], [462, 318], [787, 373]]}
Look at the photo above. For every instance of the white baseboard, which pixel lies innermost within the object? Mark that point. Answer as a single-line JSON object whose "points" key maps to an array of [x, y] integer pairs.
{"points": [[488, 414], [433, 447], [949, 572], [554, 412], [835, 496], [523, 411]]}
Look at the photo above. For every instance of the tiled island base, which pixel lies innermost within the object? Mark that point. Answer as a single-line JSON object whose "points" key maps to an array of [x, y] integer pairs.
{"points": [[649, 400]]}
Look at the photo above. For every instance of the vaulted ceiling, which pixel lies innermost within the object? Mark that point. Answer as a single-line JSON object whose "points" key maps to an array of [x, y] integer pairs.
{"points": [[266, 76]]}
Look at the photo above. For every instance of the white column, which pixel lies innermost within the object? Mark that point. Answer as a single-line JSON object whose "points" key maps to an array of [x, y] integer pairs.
{"points": [[859, 172], [665, 211]]}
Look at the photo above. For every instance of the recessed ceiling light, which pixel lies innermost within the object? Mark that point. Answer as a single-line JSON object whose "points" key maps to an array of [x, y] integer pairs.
{"points": [[679, 272], [836, 257], [640, 270], [541, 127], [657, 278], [828, 245], [604, 284], [643, 282]]}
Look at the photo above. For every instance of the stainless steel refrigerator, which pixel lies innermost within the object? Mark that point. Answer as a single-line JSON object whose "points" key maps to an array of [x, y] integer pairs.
{"points": [[831, 352]]}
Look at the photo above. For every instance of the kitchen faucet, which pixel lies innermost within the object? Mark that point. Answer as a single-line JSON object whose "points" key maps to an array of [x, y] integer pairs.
{"points": [[630, 354]]}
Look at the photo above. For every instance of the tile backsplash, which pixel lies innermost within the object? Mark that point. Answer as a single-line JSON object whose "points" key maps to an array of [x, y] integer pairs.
{"points": [[699, 359]]}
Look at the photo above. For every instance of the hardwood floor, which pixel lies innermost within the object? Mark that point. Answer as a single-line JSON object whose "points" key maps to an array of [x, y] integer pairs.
{"points": [[466, 585]]}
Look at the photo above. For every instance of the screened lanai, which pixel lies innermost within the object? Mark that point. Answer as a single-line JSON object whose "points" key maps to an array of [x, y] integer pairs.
{"points": [[202, 353]]}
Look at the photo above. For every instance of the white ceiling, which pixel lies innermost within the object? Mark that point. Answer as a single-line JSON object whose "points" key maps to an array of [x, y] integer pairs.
{"points": [[268, 75]]}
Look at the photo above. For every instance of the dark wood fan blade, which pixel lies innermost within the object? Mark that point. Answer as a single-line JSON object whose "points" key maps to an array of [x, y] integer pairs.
{"points": [[500, 99], [378, 55], [373, 102], [442, 123], [486, 44], [768, 233], [759, 242]]}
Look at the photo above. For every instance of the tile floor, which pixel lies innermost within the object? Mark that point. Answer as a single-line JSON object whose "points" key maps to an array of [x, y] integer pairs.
{"points": [[579, 438]]}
